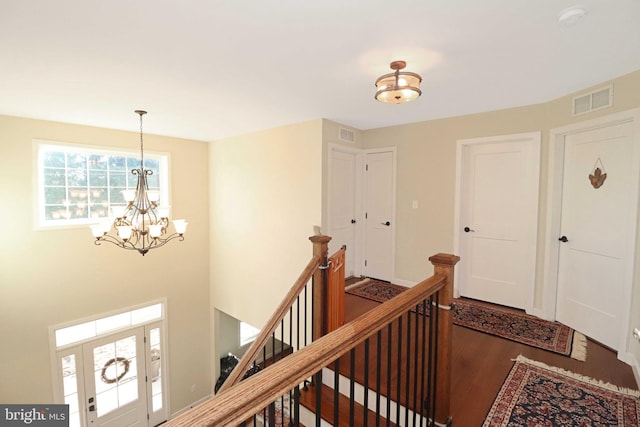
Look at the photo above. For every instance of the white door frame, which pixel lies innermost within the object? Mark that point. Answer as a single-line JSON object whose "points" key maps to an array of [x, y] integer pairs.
{"points": [[394, 157], [361, 154], [358, 251], [533, 137], [554, 215]]}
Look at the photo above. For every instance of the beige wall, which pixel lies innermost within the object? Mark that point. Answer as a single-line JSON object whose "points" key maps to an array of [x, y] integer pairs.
{"points": [[265, 192], [427, 173], [49, 277]]}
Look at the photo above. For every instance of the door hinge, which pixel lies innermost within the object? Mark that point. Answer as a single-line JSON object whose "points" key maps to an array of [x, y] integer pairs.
{"points": [[365, 262], [366, 167], [366, 215], [146, 379], [145, 339]]}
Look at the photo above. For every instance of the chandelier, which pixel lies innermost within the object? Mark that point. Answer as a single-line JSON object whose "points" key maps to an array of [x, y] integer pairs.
{"points": [[399, 86], [143, 224]]}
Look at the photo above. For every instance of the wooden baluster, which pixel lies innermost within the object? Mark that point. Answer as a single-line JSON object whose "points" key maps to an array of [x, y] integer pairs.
{"points": [[443, 265], [335, 290]]}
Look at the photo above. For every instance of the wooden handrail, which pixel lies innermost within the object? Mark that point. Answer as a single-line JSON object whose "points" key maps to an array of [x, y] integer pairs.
{"points": [[248, 397], [264, 335]]}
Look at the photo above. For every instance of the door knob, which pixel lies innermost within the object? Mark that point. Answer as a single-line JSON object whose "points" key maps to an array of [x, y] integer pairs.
{"points": [[467, 229], [386, 223], [564, 239], [353, 221]]}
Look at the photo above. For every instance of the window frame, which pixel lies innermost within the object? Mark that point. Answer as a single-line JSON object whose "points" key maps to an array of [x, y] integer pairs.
{"points": [[41, 145]]}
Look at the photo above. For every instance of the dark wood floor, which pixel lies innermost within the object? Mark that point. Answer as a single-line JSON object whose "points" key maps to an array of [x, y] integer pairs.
{"points": [[481, 363]]}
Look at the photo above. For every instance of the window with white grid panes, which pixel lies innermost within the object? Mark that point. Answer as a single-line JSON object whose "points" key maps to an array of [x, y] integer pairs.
{"points": [[82, 185]]}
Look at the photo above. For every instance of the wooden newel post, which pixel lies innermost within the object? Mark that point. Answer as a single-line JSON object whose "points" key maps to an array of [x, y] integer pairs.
{"points": [[443, 265], [321, 249]]}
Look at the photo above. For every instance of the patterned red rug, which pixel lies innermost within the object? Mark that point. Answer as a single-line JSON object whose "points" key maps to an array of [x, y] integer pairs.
{"points": [[535, 394], [494, 320]]}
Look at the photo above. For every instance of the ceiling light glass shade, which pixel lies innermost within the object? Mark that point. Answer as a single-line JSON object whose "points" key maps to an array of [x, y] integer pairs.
{"points": [[399, 86], [143, 225]]}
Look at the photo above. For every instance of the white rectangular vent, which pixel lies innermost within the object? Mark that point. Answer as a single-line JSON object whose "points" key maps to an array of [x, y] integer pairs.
{"points": [[347, 135], [592, 101]]}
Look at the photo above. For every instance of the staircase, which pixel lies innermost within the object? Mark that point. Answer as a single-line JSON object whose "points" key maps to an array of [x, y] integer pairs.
{"points": [[389, 366]]}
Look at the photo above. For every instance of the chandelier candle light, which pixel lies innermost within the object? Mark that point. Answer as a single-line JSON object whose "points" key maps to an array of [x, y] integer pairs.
{"points": [[399, 86], [143, 224]]}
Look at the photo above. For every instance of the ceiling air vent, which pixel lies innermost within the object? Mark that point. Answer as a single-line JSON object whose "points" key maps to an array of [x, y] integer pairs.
{"points": [[592, 101], [347, 135]]}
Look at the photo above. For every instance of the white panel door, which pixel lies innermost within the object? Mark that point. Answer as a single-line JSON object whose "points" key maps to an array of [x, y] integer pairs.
{"points": [[115, 387], [342, 206], [379, 206], [598, 224], [498, 204]]}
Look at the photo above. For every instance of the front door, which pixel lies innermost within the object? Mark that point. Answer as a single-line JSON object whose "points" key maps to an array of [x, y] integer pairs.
{"points": [[597, 231], [497, 226], [115, 387], [379, 214]]}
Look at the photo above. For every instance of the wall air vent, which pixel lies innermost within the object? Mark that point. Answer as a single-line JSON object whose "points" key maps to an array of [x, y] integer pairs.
{"points": [[592, 101], [347, 135]]}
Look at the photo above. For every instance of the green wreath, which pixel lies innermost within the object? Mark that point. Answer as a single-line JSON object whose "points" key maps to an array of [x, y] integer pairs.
{"points": [[110, 362]]}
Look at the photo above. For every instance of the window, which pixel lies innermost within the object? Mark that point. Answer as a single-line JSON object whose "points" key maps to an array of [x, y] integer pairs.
{"points": [[80, 185], [98, 327], [247, 333]]}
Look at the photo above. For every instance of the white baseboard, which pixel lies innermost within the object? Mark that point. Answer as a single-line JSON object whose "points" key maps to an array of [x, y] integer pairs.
{"points": [[402, 282], [191, 406]]}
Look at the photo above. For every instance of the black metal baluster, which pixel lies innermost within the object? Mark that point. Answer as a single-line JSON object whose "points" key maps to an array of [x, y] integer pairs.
{"points": [[398, 366], [416, 355], [366, 383], [408, 371], [389, 355], [317, 383], [336, 392], [296, 406], [352, 386], [426, 344], [436, 317], [378, 357]]}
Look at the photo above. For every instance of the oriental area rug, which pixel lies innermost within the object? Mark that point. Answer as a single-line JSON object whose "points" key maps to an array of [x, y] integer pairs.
{"points": [[491, 319], [535, 394]]}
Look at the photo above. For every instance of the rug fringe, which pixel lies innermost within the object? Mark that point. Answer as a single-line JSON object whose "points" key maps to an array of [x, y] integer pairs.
{"points": [[580, 377], [365, 280], [579, 347]]}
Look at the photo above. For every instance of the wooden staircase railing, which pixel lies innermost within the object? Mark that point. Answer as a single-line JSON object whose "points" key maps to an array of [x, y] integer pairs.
{"points": [[244, 399], [328, 304]]}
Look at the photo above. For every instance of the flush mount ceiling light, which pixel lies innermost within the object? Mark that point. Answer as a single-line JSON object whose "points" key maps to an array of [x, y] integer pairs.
{"points": [[571, 15], [399, 86], [143, 225]]}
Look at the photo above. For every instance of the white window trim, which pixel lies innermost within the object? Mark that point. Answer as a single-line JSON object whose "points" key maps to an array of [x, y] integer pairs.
{"points": [[38, 221]]}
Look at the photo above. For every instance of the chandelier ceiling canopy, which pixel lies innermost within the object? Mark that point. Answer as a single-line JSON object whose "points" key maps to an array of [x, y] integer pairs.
{"points": [[143, 225]]}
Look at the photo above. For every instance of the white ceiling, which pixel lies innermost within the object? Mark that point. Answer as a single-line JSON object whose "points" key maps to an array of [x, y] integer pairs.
{"points": [[207, 69]]}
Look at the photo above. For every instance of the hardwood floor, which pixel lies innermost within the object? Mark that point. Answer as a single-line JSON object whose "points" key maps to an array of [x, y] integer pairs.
{"points": [[481, 363]]}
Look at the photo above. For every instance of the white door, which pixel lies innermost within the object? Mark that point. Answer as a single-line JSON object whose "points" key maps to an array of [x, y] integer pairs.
{"points": [[379, 214], [115, 387], [598, 224], [342, 206], [497, 218]]}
